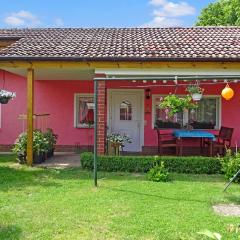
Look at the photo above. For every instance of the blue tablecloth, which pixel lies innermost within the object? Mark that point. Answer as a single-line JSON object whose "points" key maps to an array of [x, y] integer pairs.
{"points": [[193, 134]]}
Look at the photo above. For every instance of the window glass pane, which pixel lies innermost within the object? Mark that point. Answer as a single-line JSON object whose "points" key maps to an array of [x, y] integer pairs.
{"points": [[126, 111], [205, 116], [85, 111], [162, 120]]}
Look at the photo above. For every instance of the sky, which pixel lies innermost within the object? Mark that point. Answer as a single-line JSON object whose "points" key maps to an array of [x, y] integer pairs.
{"points": [[100, 13]]}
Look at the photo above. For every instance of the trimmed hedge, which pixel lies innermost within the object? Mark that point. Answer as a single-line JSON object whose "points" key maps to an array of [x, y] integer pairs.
{"points": [[194, 165]]}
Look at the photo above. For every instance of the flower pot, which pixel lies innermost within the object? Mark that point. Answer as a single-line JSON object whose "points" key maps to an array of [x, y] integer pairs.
{"points": [[50, 153], [22, 158], [45, 157], [116, 146], [197, 96], [4, 100], [38, 158]]}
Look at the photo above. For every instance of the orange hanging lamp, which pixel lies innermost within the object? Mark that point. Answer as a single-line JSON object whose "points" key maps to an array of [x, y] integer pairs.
{"points": [[227, 93]]}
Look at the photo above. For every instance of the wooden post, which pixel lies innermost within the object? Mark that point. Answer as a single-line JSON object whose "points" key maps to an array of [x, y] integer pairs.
{"points": [[30, 107]]}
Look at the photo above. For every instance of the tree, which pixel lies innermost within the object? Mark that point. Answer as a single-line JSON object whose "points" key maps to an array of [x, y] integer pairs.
{"points": [[220, 13]]}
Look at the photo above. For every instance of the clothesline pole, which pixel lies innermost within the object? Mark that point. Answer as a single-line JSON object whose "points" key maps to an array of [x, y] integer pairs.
{"points": [[95, 131]]}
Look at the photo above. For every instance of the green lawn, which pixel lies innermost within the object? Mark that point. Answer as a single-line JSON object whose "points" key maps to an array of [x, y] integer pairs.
{"points": [[63, 204]]}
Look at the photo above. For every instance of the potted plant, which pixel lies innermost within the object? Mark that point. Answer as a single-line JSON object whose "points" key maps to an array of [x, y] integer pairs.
{"points": [[175, 104], [20, 148], [52, 140], [117, 141], [5, 96], [40, 146], [195, 91]]}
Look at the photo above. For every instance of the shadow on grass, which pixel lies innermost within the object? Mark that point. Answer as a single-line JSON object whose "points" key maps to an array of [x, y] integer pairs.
{"points": [[17, 176], [79, 173], [10, 232], [178, 199], [24, 177], [5, 158], [185, 177]]}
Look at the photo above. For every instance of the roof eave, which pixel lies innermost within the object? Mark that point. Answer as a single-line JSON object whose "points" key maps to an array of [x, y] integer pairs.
{"points": [[116, 59]]}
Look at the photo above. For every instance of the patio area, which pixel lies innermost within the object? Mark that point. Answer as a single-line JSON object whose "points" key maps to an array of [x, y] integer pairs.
{"points": [[62, 160]]}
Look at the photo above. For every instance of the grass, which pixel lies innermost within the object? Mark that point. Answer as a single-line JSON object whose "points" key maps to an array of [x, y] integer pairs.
{"points": [[37, 203]]}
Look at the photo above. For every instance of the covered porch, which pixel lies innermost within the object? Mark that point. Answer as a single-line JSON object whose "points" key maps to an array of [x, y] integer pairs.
{"points": [[133, 110], [112, 85]]}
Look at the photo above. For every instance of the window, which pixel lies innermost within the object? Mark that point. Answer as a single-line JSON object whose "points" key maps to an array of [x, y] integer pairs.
{"points": [[206, 116], [126, 111], [84, 111]]}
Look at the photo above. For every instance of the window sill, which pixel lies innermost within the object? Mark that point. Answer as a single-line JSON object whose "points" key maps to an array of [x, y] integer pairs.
{"points": [[210, 129], [84, 127]]}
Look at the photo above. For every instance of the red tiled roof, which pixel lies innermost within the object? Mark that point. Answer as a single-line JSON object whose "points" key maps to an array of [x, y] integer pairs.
{"points": [[131, 44]]}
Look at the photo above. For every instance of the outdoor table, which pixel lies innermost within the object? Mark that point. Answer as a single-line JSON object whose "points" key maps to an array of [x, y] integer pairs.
{"points": [[180, 134]]}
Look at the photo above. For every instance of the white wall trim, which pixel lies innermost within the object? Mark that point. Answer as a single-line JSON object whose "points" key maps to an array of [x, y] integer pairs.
{"points": [[168, 71], [110, 93]]}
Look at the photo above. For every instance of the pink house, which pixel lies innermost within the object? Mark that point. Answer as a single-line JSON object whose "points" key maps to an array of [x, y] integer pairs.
{"points": [[65, 62]]}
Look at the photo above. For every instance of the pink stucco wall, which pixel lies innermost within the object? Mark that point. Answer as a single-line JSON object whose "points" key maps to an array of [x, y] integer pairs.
{"points": [[57, 98], [230, 111], [53, 97]]}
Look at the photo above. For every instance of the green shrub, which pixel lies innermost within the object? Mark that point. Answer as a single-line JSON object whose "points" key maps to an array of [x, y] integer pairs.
{"points": [[158, 173], [231, 164], [42, 142], [194, 165], [51, 137], [20, 145]]}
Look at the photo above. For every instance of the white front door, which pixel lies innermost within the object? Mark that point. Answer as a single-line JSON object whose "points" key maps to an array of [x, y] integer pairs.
{"points": [[126, 116]]}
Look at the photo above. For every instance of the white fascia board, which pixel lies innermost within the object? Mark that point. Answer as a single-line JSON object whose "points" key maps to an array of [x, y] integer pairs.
{"points": [[167, 71]]}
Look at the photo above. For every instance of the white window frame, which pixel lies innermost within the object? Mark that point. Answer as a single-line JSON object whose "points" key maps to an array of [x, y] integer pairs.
{"points": [[76, 96], [185, 115]]}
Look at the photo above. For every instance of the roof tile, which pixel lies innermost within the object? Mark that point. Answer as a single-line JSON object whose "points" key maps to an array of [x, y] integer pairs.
{"points": [[221, 43]]}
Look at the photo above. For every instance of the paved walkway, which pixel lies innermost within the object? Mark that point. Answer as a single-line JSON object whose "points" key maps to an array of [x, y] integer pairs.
{"points": [[62, 160]]}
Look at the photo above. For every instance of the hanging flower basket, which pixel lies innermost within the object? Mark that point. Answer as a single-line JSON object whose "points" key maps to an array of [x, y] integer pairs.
{"points": [[195, 91], [196, 96], [5, 96], [4, 100], [173, 104]]}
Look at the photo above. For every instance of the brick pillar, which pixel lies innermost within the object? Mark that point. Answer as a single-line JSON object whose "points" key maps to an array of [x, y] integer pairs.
{"points": [[101, 117]]}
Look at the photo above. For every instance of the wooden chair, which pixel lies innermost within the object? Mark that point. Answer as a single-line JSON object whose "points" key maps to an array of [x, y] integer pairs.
{"points": [[223, 140], [166, 140]]}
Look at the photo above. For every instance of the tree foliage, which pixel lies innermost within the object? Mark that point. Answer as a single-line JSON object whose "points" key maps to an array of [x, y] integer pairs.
{"points": [[220, 13]]}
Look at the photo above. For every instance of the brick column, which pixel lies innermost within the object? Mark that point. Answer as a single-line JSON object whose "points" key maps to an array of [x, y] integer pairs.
{"points": [[101, 117]]}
